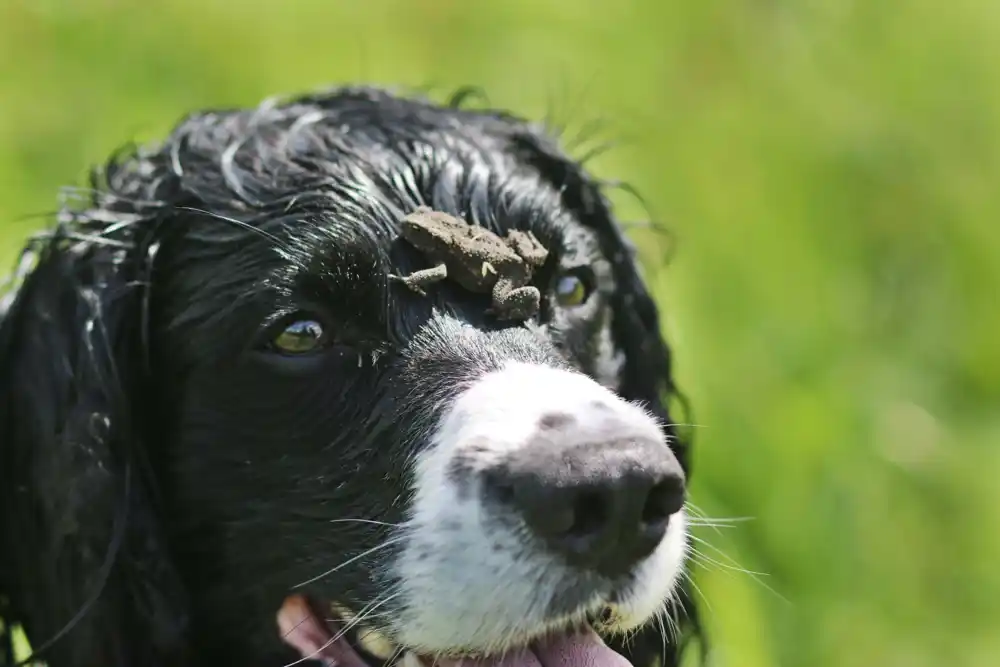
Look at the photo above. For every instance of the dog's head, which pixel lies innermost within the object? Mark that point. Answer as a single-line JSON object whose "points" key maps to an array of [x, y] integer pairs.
{"points": [[213, 395]]}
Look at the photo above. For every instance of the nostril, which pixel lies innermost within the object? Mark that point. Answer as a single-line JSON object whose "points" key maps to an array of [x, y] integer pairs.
{"points": [[665, 499], [552, 519], [590, 514], [503, 493], [543, 508]]}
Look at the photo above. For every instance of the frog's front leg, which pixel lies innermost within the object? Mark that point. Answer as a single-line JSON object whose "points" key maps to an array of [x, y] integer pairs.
{"points": [[514, 303], [417, 280]]}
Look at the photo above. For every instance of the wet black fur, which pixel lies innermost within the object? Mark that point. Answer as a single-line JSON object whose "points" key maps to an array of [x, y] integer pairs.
{"points": [[164, 477]]}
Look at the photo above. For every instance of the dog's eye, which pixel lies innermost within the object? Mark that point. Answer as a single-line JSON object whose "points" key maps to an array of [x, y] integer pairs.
{"points": [[299, 337], [571, 290]]}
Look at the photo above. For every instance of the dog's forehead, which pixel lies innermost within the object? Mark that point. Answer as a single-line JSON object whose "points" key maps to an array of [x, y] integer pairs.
{"points": [[349, 130], [332, 179], [364, 158]]}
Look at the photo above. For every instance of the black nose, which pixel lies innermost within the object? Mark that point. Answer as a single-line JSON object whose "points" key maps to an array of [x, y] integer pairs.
{"points": [[603, 507]]}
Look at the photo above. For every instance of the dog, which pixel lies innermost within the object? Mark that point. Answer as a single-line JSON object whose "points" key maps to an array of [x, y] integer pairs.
{"points": [[227, 437]]}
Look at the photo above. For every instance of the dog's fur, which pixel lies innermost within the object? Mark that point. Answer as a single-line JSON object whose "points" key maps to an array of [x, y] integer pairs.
{"points": [[166, 478]]}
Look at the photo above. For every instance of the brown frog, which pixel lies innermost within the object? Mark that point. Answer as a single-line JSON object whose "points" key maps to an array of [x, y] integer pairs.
{"points": [[477, 259]]}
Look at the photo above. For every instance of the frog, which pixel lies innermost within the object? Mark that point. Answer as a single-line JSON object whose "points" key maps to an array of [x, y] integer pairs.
{"points": [[476, 258]]}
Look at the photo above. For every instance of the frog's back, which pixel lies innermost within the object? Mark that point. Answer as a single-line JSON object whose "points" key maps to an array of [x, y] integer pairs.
{"points": [[463, 247], [476, 248]]}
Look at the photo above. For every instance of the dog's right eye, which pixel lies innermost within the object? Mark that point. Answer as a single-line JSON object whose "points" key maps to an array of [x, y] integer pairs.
{"points": [[299, 337]]}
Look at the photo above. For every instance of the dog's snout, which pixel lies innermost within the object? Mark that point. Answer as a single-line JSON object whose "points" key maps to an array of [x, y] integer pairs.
{"points": [[603, 507], [575, 470]]}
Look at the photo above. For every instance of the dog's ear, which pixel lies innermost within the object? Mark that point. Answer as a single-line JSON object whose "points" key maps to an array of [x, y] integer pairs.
{"points": [[647, 373], [82, 565]]}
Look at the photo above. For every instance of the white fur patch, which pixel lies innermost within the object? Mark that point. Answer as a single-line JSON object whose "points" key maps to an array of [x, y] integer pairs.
{"points": [[468, 580]]}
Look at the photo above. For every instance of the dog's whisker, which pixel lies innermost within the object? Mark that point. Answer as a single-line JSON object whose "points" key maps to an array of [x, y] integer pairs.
{"points": [[711, 521], [709, 563], [245, 226], [727, 521], [305, 618], [368, 521], [698, 518], [714, 525], [663, 633], [378, 602], [665, 617], [732, 565], [685, 425], [396, 654], [353, 559], [701, 513], [675, 608], [694, 585], [694, 509], [368, 612], [705, 561]]}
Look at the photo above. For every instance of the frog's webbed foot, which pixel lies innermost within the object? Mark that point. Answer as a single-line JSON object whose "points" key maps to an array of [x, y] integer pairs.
{"points": [[514, 303], [529, 248], [418, 280]]}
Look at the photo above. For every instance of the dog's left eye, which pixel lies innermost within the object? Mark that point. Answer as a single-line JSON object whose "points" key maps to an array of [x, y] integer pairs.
{"points": [[571, 289], [299, 337]]}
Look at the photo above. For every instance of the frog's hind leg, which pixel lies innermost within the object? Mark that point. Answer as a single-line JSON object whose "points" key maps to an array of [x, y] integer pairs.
{"points": [[417, 280], [514, 303]]}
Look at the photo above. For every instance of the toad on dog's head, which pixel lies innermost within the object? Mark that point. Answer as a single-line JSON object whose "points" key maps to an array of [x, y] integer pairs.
{"points": [[214, 399]]}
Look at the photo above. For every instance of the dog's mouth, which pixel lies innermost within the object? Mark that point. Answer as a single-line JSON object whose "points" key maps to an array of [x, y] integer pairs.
{"points": [[315, 638]]}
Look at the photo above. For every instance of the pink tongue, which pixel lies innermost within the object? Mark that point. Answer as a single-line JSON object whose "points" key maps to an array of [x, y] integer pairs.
{"points": [[304, 631], [580, 649]]}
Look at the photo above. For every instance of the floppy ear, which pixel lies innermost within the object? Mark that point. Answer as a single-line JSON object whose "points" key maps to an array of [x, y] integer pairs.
{"points": [[647, 371], [82, 565]]}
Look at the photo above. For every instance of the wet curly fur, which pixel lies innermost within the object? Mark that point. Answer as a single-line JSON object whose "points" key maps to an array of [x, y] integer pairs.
{"points": [[163, 478]]}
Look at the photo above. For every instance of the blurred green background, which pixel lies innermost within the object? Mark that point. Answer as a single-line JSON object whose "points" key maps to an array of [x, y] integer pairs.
{"points": [[829, 170]]}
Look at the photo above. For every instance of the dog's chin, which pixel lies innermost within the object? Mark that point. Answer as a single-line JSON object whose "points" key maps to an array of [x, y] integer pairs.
{"points": [[337, 642]]}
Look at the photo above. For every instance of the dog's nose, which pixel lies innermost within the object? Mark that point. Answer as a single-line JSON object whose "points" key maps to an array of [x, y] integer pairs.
{"points": [[602, 506]]}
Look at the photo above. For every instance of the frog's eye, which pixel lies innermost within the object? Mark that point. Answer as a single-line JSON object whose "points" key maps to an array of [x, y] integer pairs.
{"points": [[572, 289], [300, 336]]}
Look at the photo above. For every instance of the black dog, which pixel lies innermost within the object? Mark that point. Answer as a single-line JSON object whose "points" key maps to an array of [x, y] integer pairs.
{"points": [[213, 397]]}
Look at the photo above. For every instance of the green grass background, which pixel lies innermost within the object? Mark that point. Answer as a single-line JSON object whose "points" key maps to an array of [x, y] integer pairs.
{"points": [[829, 169]]}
